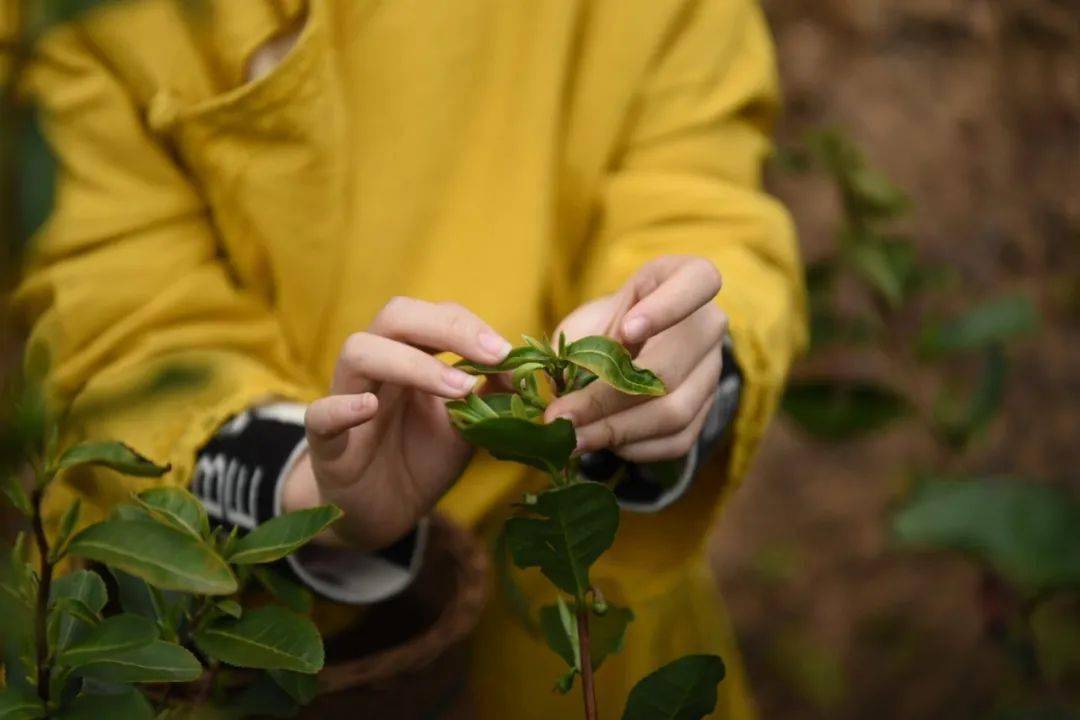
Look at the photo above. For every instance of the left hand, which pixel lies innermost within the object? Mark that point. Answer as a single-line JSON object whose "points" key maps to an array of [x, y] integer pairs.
{"points": [[666, 315]]}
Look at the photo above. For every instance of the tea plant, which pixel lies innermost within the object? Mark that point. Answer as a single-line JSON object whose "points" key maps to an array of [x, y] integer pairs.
{"points": [[175, 634], [1023, 533], [563, 530]]}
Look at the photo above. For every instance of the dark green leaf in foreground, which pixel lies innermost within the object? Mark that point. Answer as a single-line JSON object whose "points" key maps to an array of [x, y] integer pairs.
{"points": [[17, 704], [158, 662], [112, 635], [995, 321], [301, 687], [681, 690], [114, 455], [1027, 533], [289, 593], [270, 638], [611, 362], [543, 446], [84, 587], [573, 527], [177, 507], [516, 358], [161, 555], [283, 535], [842, 410], [127, 705]]}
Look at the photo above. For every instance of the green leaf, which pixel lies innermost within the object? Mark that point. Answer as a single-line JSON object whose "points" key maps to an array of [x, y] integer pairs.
{"points": [[543, 446], [136, 596], [67, 525], [995, 321], [611, 362], [684, 689], [263, 698], [16, 494], [230, 608], [842, 410], [282, 535], [162, 556], [293, 595], [177, 507], [301, 687], [158, 662], [69, 621], [269, 638], [17, 704], [127, 705], [958, 423], [607, 632], [576, 524], [84, 587], [1026, 532], [114, 455], [480, 408], [113, 635], [888, 266], [503, 405], [515, 358]]}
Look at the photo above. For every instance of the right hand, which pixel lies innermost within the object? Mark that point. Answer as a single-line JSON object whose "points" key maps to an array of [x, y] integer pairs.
{"points": [[380, 445]]}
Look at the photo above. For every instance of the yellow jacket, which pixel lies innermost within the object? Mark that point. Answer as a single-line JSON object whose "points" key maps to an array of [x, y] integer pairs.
{"points": [[516, 157]]}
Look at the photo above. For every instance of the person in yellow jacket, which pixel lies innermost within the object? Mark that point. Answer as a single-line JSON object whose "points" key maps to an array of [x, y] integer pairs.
{"points": [[310, 198]]}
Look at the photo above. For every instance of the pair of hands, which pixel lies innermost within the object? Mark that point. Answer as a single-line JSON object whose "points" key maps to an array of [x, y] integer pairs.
{"points": [[381, 447]]}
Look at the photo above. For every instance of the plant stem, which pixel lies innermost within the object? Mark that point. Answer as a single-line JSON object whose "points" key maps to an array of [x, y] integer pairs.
{"points": [[588, 686], [44, 667]]}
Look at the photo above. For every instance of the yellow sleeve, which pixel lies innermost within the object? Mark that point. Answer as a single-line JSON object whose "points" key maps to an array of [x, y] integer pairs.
{"points": [[126, 278], [688, 181]]}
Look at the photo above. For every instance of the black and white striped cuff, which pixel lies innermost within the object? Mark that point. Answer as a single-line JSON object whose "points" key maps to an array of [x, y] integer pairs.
{"points": [[239, 477]]}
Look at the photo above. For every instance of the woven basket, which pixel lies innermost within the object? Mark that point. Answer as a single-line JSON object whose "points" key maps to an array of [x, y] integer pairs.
{"points": [[411, 654]]}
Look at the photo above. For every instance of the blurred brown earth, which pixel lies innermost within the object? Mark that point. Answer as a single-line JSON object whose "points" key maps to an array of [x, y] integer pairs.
{"points": [[973, 107]]}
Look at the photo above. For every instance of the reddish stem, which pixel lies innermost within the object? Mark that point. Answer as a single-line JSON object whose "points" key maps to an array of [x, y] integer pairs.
{"points": [[588, 686]]}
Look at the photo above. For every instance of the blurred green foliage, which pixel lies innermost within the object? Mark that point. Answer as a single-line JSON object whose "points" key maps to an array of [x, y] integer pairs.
{"points": [[1025, 535]]}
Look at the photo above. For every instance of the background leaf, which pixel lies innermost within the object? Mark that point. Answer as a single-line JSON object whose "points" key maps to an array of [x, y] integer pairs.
{"points": [[576, 524], [1026, 532], [681, 690], [269, 638], [17, 704], [159, 554], [995, 321], [842, 410], [127, 705], [114, 455], [291, 594], [282, 535], [611, 362], [114, 634]]}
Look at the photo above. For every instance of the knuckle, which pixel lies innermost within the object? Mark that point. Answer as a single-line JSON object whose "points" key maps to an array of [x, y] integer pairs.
{"points": [[611, 435], [684, 443], [709, 272], [352, 351]]}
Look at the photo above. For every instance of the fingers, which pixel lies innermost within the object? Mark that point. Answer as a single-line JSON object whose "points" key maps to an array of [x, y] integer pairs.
{"points": [[333, 415], [673, 288], [440, 326], [671, 447], [659, 417], [367, 360]]}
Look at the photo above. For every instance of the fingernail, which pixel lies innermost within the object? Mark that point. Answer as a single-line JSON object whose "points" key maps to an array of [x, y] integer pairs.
{"points": [[494, 344], [634, 328], [360, 404], [458, 380]]}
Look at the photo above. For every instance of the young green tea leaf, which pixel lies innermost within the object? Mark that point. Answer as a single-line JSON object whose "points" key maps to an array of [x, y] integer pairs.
{"points": [[300, 687], [157, 662], [546, 447], [231, 608], [681, 690], [176, 507], [842, 410], [159, 554], [88, 589], [503, 405], [112, 635], [67, 526], [575, 525], [559, 628], [18, 704], [479, 407], [16, 494], [611, 362], [1025, 531], [516, 358], [114, 455], [606, 632], [129, 704], [69, 621], [269, 638], [282, 535]]}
